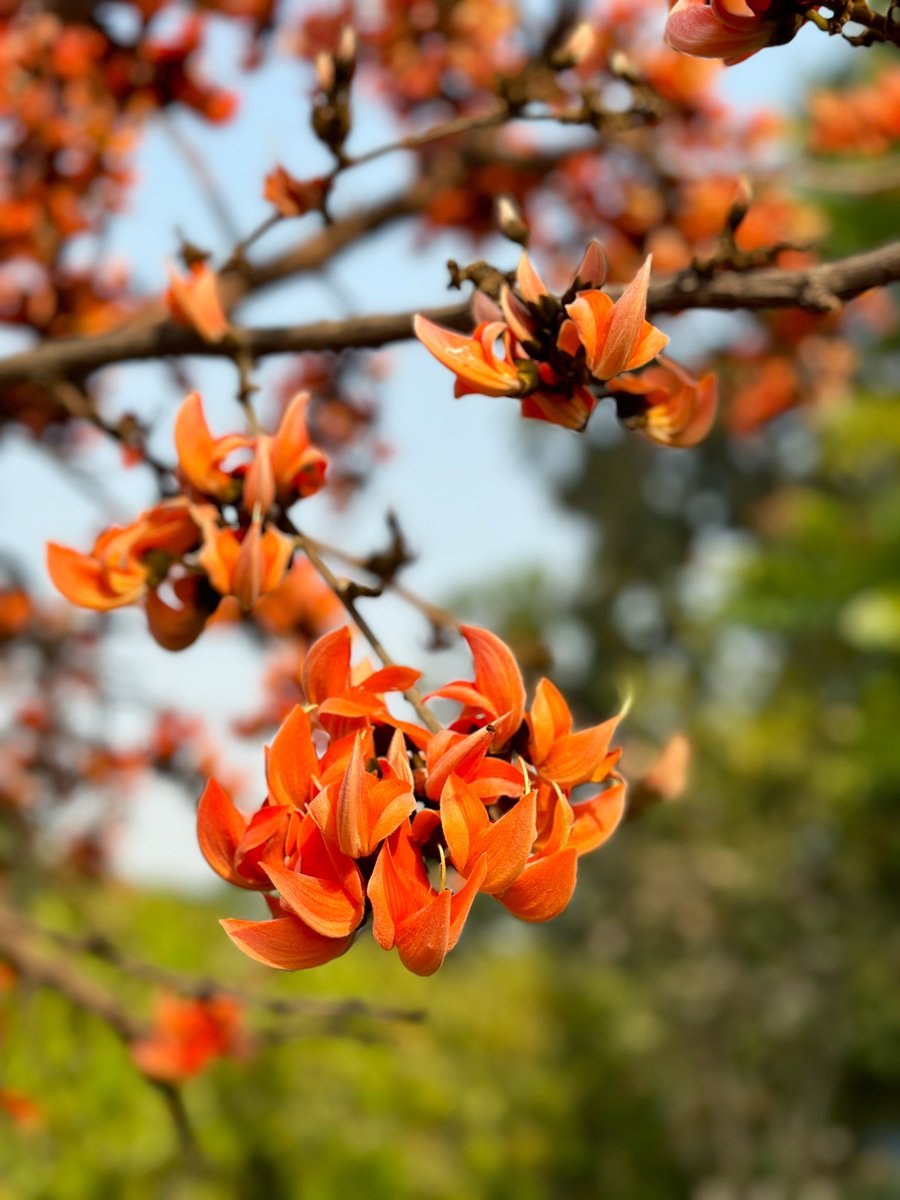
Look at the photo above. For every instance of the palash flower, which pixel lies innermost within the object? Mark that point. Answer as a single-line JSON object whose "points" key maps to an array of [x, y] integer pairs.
{"points": [[595, 338], [127, 561], [470, 834], [187, 1035], [345, 696], [560, 756], [361, 811], [496, 696], [193, 299], [615, 335], [471, 358], [667, 404], [732, 30], [285, 465], [423, 922], [346, 828], [245, 564]]}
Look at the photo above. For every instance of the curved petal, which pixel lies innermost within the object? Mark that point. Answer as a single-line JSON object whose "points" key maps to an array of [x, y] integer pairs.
{"points": [[544, 888], [219, 829], [83, 580], [285, 943]]}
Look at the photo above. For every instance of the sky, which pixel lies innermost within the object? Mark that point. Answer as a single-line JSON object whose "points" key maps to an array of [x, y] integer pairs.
{"points": [[471, 483]]}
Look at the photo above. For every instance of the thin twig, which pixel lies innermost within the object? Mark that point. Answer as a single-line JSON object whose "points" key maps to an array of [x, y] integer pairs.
{"points": [[99, 946], [412, 694]]}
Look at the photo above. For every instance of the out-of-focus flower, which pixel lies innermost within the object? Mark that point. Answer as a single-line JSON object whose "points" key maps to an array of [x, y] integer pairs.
{"points": [[125, 562], [667, 404], [193, 299], [285, 465], [187, 1035]]}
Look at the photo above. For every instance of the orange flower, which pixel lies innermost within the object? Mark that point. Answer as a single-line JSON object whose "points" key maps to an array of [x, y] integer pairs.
{"points": [[472, 359], [244, 564], [301, 605], [194, 300], [187, 1035], [547, 882], [360, 812], [223, 836], [422, 922], [496, 697], [21, 1109], [285, 465], [470, 834], [200, 455], [560, 756], [324, 887], [615, 336], [292, 766], [667, 404], [342, 695], [16, 612], [177, 628], [557, 403], [126, 561], [448, 753], [285, 942]]}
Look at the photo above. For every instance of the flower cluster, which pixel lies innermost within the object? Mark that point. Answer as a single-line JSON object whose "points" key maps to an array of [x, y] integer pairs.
{"points": [[366, 814], [558, 351], [194, 547]]}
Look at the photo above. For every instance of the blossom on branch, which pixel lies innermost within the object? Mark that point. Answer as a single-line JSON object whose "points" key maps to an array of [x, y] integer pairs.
{"points": [[366, 814], [558, 353]]}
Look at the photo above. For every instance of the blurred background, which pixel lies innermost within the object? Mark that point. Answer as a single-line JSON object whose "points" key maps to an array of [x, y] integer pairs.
{"points": [[716, 1015]]}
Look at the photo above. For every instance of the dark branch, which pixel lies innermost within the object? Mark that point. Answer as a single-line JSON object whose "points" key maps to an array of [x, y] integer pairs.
{"points": [[820, 288]]}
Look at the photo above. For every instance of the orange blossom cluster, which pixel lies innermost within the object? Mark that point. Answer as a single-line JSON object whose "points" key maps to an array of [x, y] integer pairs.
{"points": [[557, 352], [369, 815], [219, 538]]}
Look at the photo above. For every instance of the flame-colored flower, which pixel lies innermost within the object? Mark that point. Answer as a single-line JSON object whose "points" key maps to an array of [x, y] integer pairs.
{"points": [[470, 833], [232, 844], [362, 810], [293, 197], [285, 465], [424, 923], [285, 942], [193, 299], [496, 696], [615, 335], [245, 564], [125, 561], [345, 695], [561, 756], [472, 359], [547, 882], [187, 1035], [667, 404]]}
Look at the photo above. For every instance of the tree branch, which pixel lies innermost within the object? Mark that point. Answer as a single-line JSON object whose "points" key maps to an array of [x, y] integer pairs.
{"points": [[820, 288]]}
